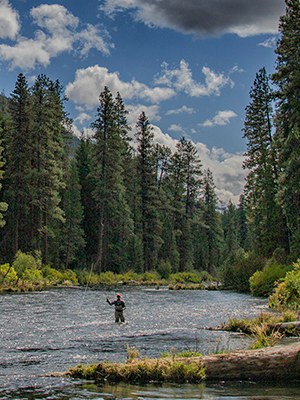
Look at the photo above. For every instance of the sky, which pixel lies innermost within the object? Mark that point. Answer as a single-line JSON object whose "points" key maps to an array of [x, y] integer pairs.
{"points": [[189, 65]]}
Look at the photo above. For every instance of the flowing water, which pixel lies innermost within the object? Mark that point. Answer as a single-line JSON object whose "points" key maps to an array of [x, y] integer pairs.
{"points": [[54, 330]]}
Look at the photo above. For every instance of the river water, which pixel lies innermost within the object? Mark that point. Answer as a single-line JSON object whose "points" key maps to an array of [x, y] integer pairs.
{"points": [[51, 331]]}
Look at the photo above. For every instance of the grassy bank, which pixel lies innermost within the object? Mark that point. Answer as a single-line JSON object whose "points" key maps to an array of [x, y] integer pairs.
{"points": [[27, 273], [267, 329]]}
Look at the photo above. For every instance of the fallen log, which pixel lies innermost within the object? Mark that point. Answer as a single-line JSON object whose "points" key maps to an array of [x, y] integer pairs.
{"points": [[280, 362], [271, 363]]}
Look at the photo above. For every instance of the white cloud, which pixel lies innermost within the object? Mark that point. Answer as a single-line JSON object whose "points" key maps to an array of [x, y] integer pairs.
{"points": [[181, 79], [89, 82], [91, 38], [220, 119], [236, 69], [203, 17], [9, 21], [54, 18], [183, 109], [58, 31], [26, 53], [176, 128], [83, 117], [134, 111], [270, 42]]}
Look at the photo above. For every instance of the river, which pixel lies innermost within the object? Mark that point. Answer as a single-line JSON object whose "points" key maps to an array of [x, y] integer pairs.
{"points": [[51, 331]]}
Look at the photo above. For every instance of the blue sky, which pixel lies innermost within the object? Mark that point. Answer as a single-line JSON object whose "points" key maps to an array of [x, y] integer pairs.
{"points": [[188, 64]]}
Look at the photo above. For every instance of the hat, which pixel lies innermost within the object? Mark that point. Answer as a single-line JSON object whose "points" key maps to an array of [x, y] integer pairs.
{"points": [[118, 295]]}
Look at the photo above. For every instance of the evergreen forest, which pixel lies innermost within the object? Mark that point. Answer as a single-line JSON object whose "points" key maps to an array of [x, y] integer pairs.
{"points": [[119, 202]]}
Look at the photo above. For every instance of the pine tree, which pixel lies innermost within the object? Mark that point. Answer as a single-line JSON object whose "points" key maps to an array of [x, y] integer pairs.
{"points": [[17, 142], [4, 126], [48, 146], [3, 205], [114, 223], [261, 183], [89, 224], [148, 223], [184, 183], [71, 239], [287, 79], [230, 223], [212, 220]]}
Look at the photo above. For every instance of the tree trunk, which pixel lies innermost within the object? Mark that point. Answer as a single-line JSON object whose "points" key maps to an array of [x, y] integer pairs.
{"points": [[271, 363]]}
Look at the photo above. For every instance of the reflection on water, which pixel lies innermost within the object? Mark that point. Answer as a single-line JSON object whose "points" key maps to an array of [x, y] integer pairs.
{"points": [[54, 330]]}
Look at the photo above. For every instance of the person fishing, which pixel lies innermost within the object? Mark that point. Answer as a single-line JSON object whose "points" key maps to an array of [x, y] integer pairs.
{"points": [[119, 308]]}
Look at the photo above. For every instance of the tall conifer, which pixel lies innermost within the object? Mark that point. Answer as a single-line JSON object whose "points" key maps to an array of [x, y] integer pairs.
{"points": [[287, 79]]}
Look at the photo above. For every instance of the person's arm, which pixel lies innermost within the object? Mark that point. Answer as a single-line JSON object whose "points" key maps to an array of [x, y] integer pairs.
{"points": [[109, 302], [123, 305]]}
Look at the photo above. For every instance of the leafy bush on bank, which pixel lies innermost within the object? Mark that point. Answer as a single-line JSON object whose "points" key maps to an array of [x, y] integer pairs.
{"points": [[262, 282], [287, 292], [27, 273]]}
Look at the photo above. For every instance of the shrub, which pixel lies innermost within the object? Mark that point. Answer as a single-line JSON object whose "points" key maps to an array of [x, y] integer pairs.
{"points": [[129, 276], [150, 276], [262, 282], [287, 292], [32, 275], [190, 277], [107, 278], [25, 261], [8, 274], [164, 269], [51, 275]]}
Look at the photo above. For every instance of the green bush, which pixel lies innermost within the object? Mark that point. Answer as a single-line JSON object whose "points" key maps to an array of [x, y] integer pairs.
{"points": [[24, 262], [287, 292], [51, 275], [69, 277], [164, 269], [129, 276], [8, 274], [32, 275], [107, 278], [191, 277], [150, 276], [262, 282]]}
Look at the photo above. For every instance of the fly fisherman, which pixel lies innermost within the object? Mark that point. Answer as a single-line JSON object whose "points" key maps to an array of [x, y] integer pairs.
{"points": [[119, 307]]}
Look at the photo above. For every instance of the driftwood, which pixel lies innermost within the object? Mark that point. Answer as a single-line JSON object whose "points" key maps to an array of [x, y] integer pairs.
{"points": [[271, 363]]}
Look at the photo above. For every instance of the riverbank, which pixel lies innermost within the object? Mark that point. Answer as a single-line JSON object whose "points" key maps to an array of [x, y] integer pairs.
{"points": [[280, 362]]}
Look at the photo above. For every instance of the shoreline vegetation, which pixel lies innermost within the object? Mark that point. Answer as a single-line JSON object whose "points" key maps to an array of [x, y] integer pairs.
{"points": [[268, 358], [268, 364], [27, 273]]}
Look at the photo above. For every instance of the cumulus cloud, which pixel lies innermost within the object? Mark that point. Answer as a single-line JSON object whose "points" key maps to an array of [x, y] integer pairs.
{"points": [[9, 21], [89, 82], [181, 110], [83, 117], [220, 119], [202, 17], [181, 79], [176, 128], [57, 32], [134, 111]]}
